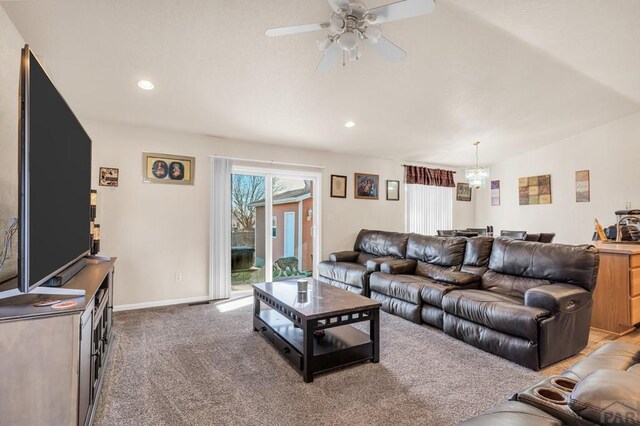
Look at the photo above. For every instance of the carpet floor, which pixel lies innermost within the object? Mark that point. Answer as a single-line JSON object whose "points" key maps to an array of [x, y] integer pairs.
{"points": [[204, 365]]}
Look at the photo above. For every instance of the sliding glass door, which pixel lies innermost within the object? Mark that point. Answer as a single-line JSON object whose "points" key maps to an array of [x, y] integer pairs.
{"points": [[273, 226], [247, 221], [292, 227]]}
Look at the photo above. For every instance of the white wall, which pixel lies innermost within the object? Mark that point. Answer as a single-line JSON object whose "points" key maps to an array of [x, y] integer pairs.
{"points": [[10, 44], [158, 230], [612, 155]]}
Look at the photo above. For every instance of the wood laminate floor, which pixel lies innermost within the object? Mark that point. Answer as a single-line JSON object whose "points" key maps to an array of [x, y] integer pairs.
{"points": [[598, 338]]}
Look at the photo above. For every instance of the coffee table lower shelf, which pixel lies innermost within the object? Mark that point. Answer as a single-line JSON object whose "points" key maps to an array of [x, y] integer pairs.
{"points": [[340, 345]]}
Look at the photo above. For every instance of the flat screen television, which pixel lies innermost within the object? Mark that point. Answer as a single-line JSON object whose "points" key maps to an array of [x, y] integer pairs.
{"points": [[54, 180]]}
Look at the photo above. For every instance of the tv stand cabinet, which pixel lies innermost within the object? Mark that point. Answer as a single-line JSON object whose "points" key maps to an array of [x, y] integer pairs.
{"points": [[52, 362]]}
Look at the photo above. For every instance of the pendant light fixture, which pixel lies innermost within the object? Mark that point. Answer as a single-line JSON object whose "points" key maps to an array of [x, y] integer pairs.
{"points": [[477, 176]]}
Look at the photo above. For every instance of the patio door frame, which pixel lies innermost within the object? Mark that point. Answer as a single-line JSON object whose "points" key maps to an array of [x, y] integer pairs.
{"points": [[316, 230]]}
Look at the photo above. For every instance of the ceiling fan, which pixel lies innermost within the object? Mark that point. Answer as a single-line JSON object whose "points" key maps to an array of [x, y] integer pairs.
{"points": [[352, 22]]}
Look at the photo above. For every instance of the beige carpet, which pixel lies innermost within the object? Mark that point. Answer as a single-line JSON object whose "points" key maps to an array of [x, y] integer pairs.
{"points": [[196, 365]]}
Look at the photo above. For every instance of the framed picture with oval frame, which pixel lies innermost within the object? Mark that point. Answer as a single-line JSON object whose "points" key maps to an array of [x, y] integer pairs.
{"points": [[167, 168]]}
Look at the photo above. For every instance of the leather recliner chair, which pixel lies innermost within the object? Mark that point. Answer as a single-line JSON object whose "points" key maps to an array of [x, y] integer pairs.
{"points": [[530, 299], [350, 270], [604, 388]]}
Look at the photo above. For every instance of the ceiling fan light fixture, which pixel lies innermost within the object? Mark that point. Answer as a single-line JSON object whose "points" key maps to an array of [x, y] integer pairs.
{"points": [[337, 23], [324, 43], [353, 54], [348, 41], [370, 18], [373, 33], [357, 7]]}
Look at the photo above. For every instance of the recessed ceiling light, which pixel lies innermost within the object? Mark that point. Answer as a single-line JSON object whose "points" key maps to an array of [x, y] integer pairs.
{"points": [[145, 85], [349, 124]]}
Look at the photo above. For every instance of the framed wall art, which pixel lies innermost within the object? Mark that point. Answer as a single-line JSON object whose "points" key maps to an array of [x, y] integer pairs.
{"points": [[338, 186], [108, 176], [495, 192], [393, 190], [366, 186], [583, 188], [534, 190], [463, 192], [167, 168]]}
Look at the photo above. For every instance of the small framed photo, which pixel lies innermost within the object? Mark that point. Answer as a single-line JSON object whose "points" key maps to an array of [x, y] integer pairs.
{"points": [[167, 168], [338, 186], [393, 190], [463, 192], [366, 186], [108, 176]]}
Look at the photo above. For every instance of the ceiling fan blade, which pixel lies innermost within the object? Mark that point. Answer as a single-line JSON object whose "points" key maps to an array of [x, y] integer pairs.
{"points": [[401, 10], [387, 49], [295, 29], [330, 57], [338, 4]]}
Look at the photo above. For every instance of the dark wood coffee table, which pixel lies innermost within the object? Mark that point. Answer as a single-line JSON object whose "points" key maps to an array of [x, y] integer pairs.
{"points": [[313, 332]]}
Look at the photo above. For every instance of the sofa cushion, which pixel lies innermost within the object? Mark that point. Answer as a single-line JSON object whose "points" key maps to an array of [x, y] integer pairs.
{"points": [[510, 285], [478, 251], [406, 310], [363, 258], [403, 287], [497, 311], [612, 356], [381, 243], [433, 291], [569, 264], [345, 272], [437, 250]]}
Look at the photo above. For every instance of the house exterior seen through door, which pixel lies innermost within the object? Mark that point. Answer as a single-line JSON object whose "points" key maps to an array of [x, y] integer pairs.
{"points": [[277, 242]]}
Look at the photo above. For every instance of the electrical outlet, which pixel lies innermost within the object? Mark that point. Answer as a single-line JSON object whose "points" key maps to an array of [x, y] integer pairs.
{"points": [[627, 205], [178, 276]]}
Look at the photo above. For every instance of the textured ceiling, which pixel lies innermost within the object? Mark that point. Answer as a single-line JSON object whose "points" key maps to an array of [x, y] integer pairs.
{"points": [[514, 74]]}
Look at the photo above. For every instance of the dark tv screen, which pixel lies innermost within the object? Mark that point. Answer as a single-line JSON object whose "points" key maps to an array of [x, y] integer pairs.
{"points": [[55, 180]]}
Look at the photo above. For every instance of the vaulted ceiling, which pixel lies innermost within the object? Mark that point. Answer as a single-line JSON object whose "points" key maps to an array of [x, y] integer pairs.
{"points": [[514, 74]]}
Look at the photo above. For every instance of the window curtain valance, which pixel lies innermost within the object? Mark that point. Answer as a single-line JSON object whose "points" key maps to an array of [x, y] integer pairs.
{"points": [[425, 176]]}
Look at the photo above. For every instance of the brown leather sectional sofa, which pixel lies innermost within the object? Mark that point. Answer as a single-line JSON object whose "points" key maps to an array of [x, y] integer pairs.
{"points": [[603, 388], [525, 301]]}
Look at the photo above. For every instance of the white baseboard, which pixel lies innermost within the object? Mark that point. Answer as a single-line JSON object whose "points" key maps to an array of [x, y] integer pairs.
{"points": [[157, 303]]}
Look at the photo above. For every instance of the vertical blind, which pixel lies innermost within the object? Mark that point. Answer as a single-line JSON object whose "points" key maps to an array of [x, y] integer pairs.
{"points": [[220, 250], [429, 207]]}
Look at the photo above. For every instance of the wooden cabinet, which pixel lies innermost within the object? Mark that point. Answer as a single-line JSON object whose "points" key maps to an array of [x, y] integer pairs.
{"points": [[53, 361], [616, 300]]}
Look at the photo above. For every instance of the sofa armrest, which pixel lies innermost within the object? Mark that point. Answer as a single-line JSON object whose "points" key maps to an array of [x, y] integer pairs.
{"points": [[344, 256], [608, 397], [399, 266], [373, 265], [457, 278], [557, 298]]}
